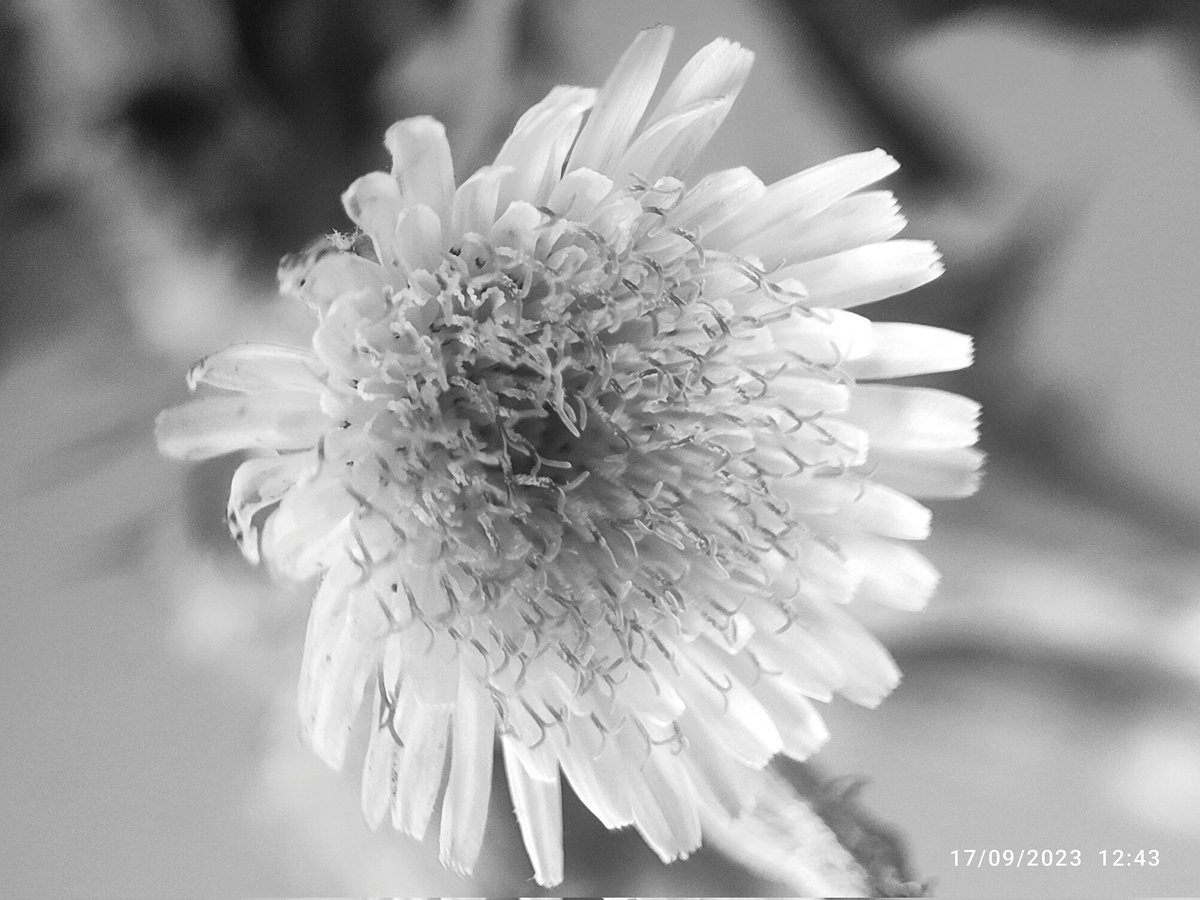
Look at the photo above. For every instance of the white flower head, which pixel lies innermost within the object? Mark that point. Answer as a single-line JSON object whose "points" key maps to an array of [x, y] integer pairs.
{"points": [[591, 458]]}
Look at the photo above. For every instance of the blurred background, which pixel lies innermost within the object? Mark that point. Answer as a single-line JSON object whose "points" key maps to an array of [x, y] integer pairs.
{"points": [[157, 158]]}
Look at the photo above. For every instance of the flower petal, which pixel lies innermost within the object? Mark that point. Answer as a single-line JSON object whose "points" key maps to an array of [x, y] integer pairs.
{"points": [[337, 339], [621, 102], [858, 503], [801, 727], [803, 195], [689, 114], [422, 766], [853, 221], [418, 238], [901, 349], [672, 144], [899, 417], [942, 474], [468, 792], [613, 219], [529, 742], [715, 199], [257, 484], [258, 367], [385, 748], [538, 805], [736, 719], [805, 665], [719, 779], [599, 781], [476, 200], [380, 774], [517, 228], [421, 163], [871, 674], [320, 279], [432, 593], [815, 569], [893, 574], [804, 394], [579, 193], [333, 675], [666, 813], [828, 339], [539, 144], [718, 69], [213, 426], [820, 443], [373, 202], [866, 274], [659, 813], [303, 536]]}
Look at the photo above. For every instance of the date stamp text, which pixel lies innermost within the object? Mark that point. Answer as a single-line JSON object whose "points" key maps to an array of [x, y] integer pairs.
{"points": [[1051, 858]]}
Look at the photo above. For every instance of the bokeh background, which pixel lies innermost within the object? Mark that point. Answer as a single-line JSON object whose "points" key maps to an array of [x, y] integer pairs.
{"points": [[156, 159]]}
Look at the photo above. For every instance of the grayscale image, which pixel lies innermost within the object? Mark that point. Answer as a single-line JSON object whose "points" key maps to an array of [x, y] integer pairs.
{"points": [[562, 448]]}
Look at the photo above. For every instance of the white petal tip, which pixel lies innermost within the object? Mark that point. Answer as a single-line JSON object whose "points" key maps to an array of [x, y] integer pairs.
{"points": [[457, 866], [884, 161], [904, 348], [871, 699], [399, 132], [367, 188], [922, 258]]}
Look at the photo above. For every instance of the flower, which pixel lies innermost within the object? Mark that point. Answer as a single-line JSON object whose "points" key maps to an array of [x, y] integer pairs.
{"points": [[591, 458]]}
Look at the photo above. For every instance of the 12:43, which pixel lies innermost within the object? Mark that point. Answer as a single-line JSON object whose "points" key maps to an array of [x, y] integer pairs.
{"points": [[1125, 858]]}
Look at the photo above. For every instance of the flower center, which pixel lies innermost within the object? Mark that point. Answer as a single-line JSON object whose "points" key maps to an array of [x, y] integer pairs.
{"points": [[577, 397]]}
